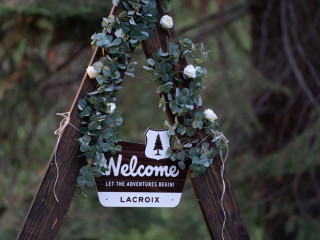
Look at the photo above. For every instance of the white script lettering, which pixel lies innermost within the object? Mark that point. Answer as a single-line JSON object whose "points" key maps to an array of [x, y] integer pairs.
{"points": [[132, 170]]}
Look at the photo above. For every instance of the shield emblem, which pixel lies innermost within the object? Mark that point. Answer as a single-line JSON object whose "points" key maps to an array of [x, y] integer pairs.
{"points": [[157, 143]]}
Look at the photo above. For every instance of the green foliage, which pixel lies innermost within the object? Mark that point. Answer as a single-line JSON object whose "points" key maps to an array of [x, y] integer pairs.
{"points": [[101, 122], [185, 104]]}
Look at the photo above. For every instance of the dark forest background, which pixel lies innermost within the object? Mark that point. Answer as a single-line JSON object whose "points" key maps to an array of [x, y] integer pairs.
{"points": [[264, 82]]}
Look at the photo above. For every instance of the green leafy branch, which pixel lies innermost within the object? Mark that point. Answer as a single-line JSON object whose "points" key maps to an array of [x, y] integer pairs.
{"points": [[185, 105], [100, 119]]}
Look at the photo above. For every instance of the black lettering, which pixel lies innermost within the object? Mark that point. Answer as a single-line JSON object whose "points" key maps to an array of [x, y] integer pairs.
{"points": [[128, 199], [134, 199], [121, 199], [157, 199]]}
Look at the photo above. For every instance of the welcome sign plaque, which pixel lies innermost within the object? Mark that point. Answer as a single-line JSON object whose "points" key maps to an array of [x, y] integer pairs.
{"points": [[141, 175]]}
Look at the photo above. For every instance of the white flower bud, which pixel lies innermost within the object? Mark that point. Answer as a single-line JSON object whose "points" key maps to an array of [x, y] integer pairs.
{"points": [[119, 33], [92, 72], [210, 115], [190, 71], [111, 107], [166, 22]]}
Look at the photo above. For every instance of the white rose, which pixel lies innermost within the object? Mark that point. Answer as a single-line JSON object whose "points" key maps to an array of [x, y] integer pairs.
{"points": [[111, 107], [210, 115], [119, 33], [92, 72], [166, 22], [190, 71]]}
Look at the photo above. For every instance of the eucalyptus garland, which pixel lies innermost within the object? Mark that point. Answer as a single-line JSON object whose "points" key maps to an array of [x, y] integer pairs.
{"points": [[100, 119], [185, 104]]}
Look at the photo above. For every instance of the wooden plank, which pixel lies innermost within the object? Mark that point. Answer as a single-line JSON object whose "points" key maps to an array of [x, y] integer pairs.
{"points": [[45, 216], [208, 187]]}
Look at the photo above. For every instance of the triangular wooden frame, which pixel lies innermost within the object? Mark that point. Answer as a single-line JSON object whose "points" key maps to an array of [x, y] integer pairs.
{"points": [[45, 216]]}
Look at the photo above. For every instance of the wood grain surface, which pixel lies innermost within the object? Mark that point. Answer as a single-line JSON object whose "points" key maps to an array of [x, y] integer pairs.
{"points": [[207, 187]]}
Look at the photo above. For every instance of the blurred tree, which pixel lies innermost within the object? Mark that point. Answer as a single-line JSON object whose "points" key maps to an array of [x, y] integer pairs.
{"points": [[285, 50]]}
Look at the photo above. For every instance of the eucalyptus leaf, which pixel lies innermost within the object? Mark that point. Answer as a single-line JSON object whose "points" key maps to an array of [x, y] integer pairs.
{"points": [[84, 148], [132, 22], [81, 180], [116, 42], [85, 139], [181, 165], [90, 182], [115, 2], [118, 148], [169, 152], [151, 62], [85, 171], [180, 156], [130, 74], [82, 104], [194, 174]]}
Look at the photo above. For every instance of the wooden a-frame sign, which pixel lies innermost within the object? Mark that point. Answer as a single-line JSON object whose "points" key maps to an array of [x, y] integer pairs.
{"points": [[45, 215]]}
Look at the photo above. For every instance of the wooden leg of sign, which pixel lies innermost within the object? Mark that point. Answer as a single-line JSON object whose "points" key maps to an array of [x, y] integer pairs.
{"points": [[208, 187], [45, 215]]}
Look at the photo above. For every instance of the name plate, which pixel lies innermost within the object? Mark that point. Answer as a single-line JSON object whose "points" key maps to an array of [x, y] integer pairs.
{"points": [[141, 175]]}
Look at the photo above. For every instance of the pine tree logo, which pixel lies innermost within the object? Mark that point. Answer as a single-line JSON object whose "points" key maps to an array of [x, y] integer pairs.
{"points": [[158, 145]]}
